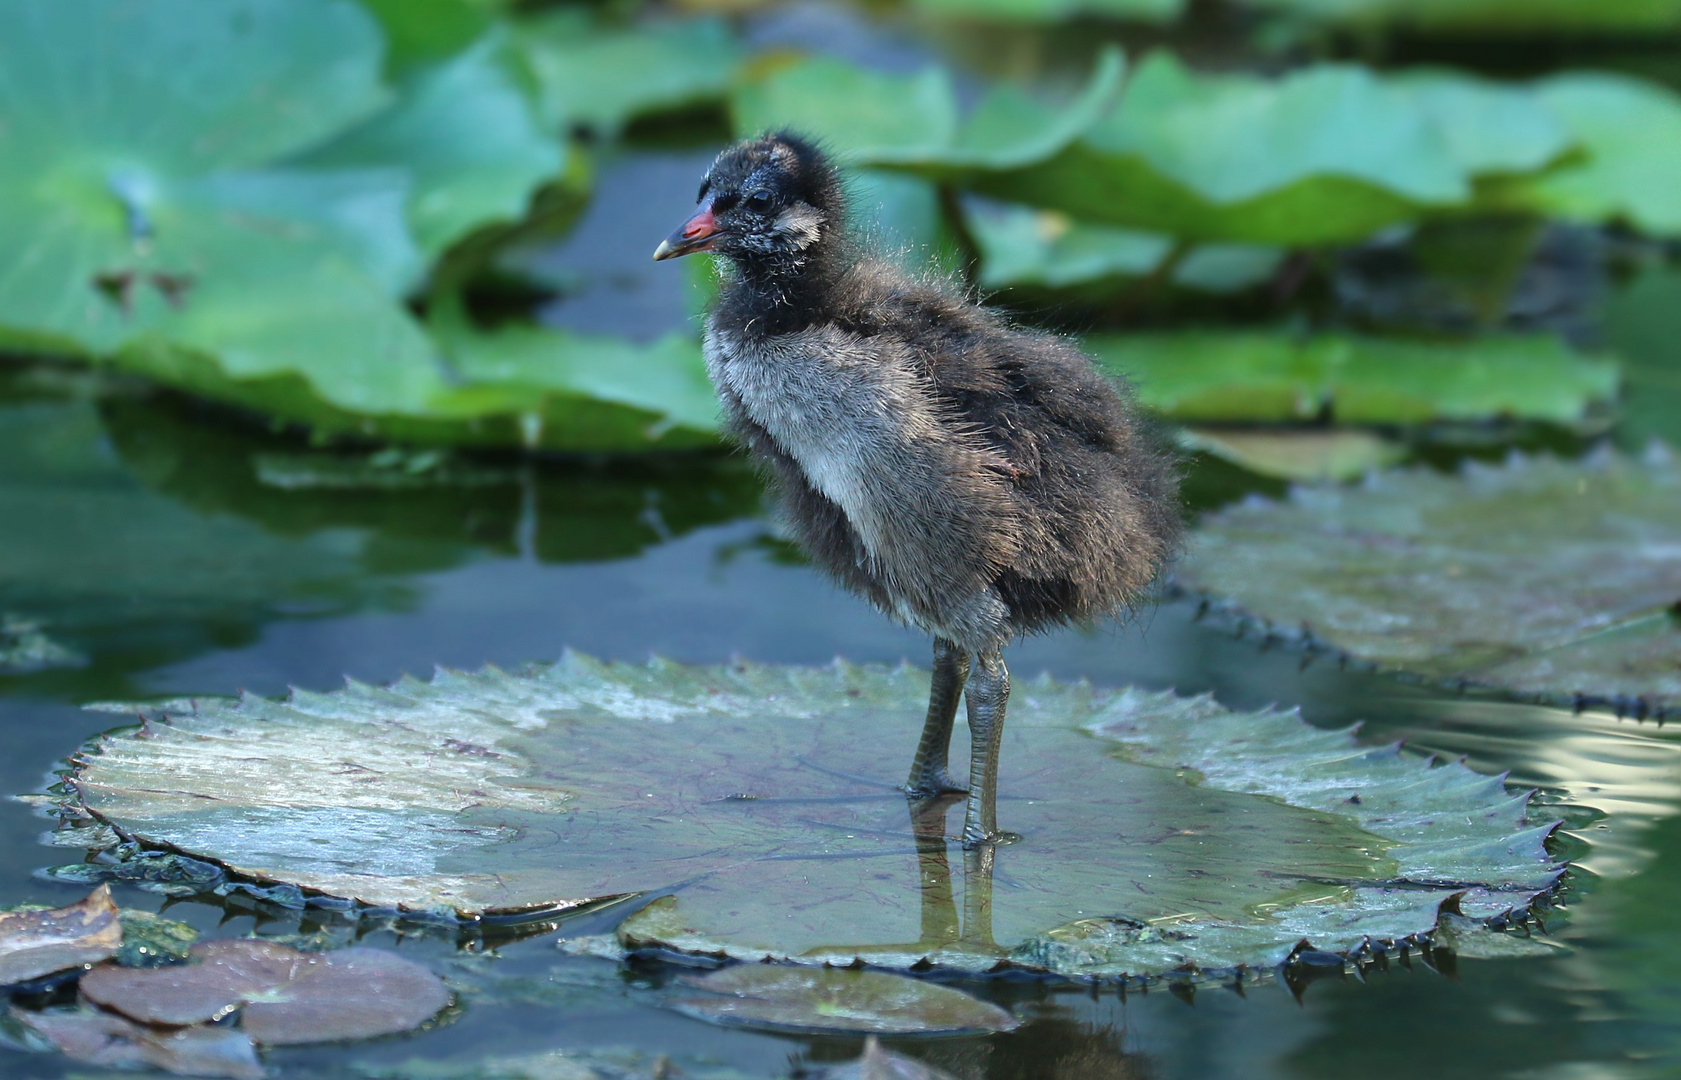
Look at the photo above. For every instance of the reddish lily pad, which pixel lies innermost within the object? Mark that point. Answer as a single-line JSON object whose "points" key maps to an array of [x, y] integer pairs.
{"points": [[284, 996], [36, 943]]}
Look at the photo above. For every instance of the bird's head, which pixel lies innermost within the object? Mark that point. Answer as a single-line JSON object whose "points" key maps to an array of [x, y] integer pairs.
{"points": [[768, 204]]}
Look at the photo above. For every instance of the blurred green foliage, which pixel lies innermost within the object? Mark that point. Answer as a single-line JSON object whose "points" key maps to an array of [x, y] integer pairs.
{"points": [[301, 207]]}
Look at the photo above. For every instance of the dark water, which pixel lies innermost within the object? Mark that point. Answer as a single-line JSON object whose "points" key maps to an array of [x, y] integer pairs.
{"points": [[143, 533]]}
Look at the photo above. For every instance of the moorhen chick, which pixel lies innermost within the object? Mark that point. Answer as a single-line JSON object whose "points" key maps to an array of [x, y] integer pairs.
{"points": [[968, 477]]}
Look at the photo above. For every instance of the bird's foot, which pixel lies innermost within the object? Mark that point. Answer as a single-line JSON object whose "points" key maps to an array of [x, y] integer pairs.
{"points": [[932, 784], [976, 837]]}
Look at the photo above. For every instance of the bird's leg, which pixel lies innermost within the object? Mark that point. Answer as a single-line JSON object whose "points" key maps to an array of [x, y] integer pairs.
{"points": [[988, 693], [928, 768]]}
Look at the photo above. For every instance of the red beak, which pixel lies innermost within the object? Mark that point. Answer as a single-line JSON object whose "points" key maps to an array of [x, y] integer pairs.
{"points": [[693, 235]]}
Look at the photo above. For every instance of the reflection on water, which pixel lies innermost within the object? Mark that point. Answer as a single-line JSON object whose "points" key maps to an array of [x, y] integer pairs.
{"points": [[135, 572]]}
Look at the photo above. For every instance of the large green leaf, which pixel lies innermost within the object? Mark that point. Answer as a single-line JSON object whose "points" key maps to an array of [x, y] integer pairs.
{"points": [[1261, 377], [1324, 154], [1047, 249], [1551, 579], [137, 193], [1509, 18], [874, 118], [1049, 11], [1630, 131], [469, 138], [1156, 831], [604, 77]]}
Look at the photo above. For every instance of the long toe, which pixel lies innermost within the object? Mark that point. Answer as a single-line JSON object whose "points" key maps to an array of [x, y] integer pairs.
{"points": [[932, 783]]}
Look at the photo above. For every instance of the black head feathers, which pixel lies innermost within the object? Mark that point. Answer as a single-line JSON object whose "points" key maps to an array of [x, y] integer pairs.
{"points": [[774, 206]]}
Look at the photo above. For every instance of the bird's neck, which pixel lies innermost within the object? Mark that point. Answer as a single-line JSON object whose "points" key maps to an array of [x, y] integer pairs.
{"points": [[786, 291]]}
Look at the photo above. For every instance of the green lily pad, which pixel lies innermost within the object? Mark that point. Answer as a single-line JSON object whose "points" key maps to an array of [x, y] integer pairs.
{"points": [[769, 792], [1325, 154], [145, 203], [1630, 131], [584, 392], [833, 999], [426, 31], [875, 118], [1246, 376], [1055, 11], [604, 77], [36, 943], [1022, 246], [468, 136], [1481, 18], [1329, 454], [1550, 579]]}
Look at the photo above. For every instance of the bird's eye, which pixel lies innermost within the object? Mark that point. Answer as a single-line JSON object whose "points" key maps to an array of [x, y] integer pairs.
{"points": [[758, 200]]}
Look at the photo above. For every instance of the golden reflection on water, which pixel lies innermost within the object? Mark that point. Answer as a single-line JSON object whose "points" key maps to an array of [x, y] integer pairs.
{"points": [[1627, 771]]}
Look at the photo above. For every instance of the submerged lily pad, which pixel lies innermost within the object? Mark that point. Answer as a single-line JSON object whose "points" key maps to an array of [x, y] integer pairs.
{"points": [[283, 996], [1242, 376], [36, 943], [99, 1038], [769, 792], [1552, 579], [835, 999]]}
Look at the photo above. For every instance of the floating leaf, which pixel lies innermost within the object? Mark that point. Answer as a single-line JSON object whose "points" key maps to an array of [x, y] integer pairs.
{"points": [[36, 943], [1325, 154], [152, 940], [166, 217], [467, 136], [585, 392], [1481, 18], [1246, 376], [603, 78], [283, 996], [500, 793], [1022, 246], [24, 647], [1051, 11], [1332, 454], [873, 118], [98, 1038], [1546, 578], [834, 999], [426, 31], [1630, 131]]}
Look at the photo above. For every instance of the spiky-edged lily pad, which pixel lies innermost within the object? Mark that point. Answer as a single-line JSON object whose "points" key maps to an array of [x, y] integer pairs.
{"points": [[283, 996], [835, 999], [873, 118], [36, 943], [768, 794], [1548, 578], [1357, 380]]}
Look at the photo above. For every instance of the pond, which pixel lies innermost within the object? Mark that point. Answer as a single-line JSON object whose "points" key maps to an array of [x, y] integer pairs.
{"points": [[166, 548], [197, 555]]}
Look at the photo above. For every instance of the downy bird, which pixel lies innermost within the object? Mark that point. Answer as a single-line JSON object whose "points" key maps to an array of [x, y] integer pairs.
{"points": [[969, 477]]}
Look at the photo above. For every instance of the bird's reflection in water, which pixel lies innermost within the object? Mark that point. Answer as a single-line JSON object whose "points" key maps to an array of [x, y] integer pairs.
{"points": [[941, 922]]}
